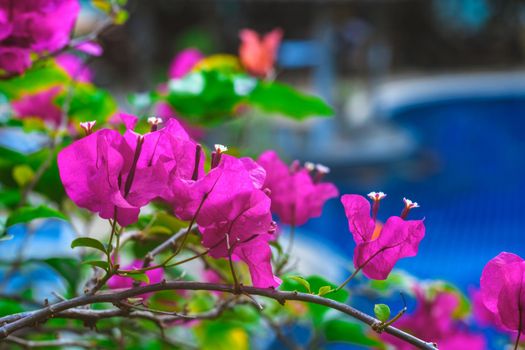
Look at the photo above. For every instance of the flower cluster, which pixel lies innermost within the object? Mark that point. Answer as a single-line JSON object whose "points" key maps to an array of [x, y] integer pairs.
{"points": [[434, 321], [28, 26], [379, 246], [232, 211], [116, 175], [297, 193]]}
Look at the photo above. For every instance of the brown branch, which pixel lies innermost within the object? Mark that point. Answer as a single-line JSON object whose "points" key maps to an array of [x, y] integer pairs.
{"points": [[116, 296], [47, 343], [163, 246]]}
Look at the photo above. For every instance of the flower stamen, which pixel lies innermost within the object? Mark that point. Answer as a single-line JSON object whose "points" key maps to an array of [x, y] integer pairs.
{"points": [[376, 197], [216, 156], [198, 151], [322, 170], [154, 122], [409, 205], [88, 126]]}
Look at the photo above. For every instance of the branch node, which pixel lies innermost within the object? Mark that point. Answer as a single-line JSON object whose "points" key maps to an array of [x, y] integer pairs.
{"points": [[378, 326]]}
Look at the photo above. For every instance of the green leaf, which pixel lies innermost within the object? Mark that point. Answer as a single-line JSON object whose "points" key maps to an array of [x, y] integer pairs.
{"points": [[9, 198], [279, 98], [324, 290], [221, 336], [98, 263], [49, 183], [209, 97], [27, 214], [136, 300], [277, 246], [9, 307], [382, 312], [121, 17], [102, 5], [38, 78], [23, 174], [88, 242], [304, 282], [224, 63], [164, 223], [349, 332], [88, 103], [317, 312], [138, 276]]}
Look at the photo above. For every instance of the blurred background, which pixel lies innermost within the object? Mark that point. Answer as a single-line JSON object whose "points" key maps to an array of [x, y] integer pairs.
{"points": [[430, 101]]}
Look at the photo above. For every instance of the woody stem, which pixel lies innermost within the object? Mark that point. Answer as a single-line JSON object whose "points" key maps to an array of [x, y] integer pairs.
{"points": [[359, 269], [348, 279], [230, 262]]}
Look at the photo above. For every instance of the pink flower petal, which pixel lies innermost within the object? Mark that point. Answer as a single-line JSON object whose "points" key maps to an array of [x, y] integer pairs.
{"points": [[184, 62], [91, 48], [258, 54], [296, 198]]}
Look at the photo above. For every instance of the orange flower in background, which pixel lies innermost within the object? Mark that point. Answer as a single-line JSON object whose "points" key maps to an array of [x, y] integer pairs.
{"points": [[258, 53]]}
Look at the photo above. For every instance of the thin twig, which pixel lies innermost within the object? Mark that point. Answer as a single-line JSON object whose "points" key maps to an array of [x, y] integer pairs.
{"points": [[47, 343], [163, 246]]}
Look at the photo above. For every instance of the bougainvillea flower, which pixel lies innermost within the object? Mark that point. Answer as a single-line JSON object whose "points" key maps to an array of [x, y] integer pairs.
{"points": [[232, 212], [503, 290], [39, 105], [74, 67], [13, 60], [434, 321], [33, 26], [258, 54], [482, 315], [90, 47], [184, 62], [119, 282], [257, 255], [379, 246], [115, 175], [297, 193], [187, 192]]}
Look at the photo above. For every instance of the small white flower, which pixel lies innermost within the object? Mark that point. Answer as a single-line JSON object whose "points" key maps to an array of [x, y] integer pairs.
{"points": [[88, 125], [409, 204], [220, 148], [376, 196], [309, 166], [322, 169], [154, 120]]}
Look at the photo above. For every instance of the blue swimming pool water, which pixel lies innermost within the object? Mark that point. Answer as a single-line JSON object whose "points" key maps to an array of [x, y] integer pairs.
{"points": [[469, 177]]}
